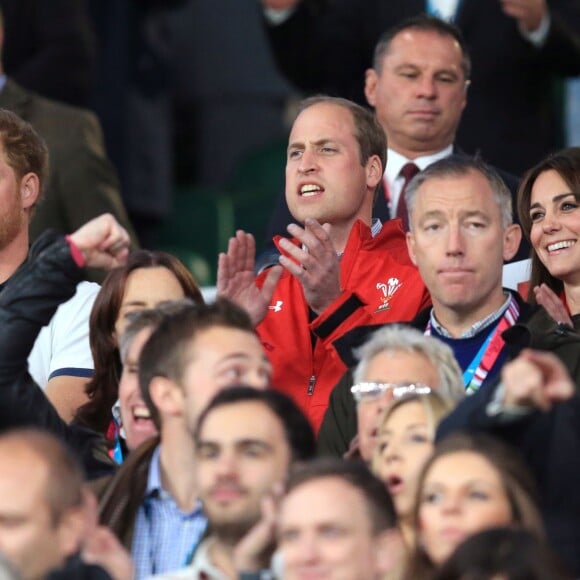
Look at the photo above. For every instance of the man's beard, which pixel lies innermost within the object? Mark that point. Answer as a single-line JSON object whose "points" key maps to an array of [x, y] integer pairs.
{"points": [[231, 533], [11, 223]]}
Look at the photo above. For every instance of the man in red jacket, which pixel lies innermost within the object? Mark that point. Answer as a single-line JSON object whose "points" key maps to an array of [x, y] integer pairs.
{"points": [[341, 269]]}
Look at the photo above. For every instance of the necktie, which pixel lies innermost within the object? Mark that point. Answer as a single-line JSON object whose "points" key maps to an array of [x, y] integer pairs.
{"points": [[408, 171]]}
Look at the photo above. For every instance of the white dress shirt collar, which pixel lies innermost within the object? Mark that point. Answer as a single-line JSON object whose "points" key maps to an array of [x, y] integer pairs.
{"points": [[395, 161]]}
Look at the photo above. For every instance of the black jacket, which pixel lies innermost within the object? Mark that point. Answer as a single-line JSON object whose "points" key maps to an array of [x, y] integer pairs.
{"points": [[340, 424], [548, 442], [27, 303]]}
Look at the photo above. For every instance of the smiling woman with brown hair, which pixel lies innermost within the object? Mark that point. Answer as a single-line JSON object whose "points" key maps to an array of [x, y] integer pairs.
{"points": [[549, 211]]}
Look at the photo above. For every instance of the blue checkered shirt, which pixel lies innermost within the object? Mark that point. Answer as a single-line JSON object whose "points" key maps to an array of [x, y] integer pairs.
{"points": [[165, 537]]}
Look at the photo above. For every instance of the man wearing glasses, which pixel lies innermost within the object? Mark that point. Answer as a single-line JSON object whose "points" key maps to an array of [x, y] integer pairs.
{"points": [[399, 361]]}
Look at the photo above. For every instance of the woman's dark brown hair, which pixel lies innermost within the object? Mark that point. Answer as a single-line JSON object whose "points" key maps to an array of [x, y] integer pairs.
{"points": [[517, 482], [102, 390], [566, 163], [508, 553]]}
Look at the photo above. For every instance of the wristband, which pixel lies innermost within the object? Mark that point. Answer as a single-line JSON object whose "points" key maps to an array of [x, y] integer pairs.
{"points": [[76, 253]]}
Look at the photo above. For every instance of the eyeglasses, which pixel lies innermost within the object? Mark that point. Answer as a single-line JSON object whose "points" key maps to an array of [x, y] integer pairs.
{"points": [[365, 392]]}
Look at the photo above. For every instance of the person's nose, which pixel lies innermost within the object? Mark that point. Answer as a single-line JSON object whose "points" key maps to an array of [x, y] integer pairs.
{"points": [[308, 161], [309, 549], [550, 224], [226, 465], [426, 87], [384, 401], [455, 246], [451, 504], [393, 451]]}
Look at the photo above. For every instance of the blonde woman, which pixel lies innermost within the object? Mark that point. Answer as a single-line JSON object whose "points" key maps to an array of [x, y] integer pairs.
{"points": [[405, 441]]}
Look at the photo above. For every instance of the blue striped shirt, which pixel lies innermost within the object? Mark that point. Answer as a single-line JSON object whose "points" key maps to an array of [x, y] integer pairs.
{"points": [[165, 537]]}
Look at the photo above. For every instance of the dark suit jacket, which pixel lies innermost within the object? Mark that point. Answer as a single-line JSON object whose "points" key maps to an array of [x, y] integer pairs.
{"points": [[549, 442], [82, 182], [49, 48], [511, 116]]}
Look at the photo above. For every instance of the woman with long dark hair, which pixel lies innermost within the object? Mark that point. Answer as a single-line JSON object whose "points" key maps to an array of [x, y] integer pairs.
{"points": [[147, 279], [549, 211]]}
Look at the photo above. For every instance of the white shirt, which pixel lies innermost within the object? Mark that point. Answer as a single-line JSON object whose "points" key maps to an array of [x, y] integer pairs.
{"points": [[62, 347], [395, 162], [444, 9]]}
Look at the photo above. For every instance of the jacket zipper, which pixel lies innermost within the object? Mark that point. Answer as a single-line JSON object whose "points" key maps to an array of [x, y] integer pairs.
{"points": [[311, 383]]}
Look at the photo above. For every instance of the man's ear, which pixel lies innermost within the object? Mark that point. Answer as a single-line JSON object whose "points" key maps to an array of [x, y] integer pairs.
{"points": [[374, 169], [29, 190], [512, 236], [411, 247], [371, 81], [167, 396]]}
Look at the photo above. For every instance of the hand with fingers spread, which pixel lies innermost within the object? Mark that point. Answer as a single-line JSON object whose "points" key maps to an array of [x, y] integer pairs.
{"points": [[318, 267], [103, 242], [236, 279], [528, 13], [553, 304], [536, 379]]}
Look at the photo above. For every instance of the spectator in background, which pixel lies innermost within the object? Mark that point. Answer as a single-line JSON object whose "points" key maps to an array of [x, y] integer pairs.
{"points": [[146, 279], [418, 87], [405, 440], [337, 517], [396, 362], [520, 50], [448, 509], [246, 443], [152, 502]]}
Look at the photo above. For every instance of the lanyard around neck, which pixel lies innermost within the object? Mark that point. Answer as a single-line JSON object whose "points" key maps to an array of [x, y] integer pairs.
{"points": [[478, 369]]}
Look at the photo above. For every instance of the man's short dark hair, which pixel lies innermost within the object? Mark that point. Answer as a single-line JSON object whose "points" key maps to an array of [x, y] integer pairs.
{"points": [[368, 131], [165, 354], [24, 149], [427, 23], [299, 434], [380, 507]]}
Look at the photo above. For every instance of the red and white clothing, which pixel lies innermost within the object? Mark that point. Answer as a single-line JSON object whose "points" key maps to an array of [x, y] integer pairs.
{"points": [[380, 284]]}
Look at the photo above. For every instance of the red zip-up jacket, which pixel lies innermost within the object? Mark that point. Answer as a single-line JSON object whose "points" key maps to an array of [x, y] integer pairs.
{"points": [[380, 284]]}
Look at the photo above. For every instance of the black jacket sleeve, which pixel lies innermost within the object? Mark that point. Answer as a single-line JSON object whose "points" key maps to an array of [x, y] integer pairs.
{"points": [[339, 425], [27, 303]]}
